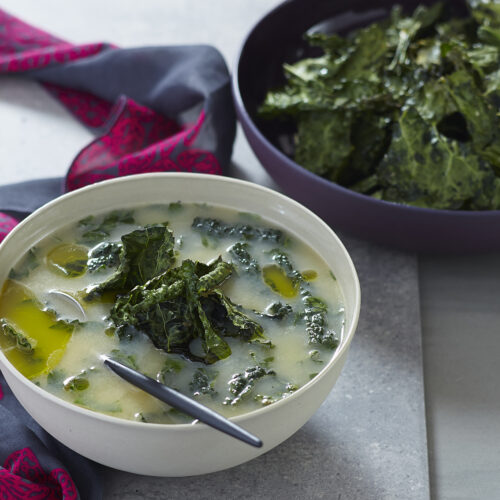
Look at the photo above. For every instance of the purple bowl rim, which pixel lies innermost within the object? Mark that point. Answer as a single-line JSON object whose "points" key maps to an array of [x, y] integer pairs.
{"points": [[248, 121]]}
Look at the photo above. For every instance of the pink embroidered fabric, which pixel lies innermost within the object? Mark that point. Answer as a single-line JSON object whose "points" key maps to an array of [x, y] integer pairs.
{"points": [[136, 139], [23, 478]]}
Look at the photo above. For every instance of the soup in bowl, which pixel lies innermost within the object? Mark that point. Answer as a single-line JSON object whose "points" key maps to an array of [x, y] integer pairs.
{"points": [[226, 291]]}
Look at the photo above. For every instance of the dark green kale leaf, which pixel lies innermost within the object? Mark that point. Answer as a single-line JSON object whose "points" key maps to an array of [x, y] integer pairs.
{"points": [[229, 319], [220, 229], [22, 341], [95, 229], [481, 116], [316, 325], [283, 260], [167, 309], [183, 304], [405, 30], [370, 136], [487, 15], [277, 311], [104, 256], [240, 252], [203, 382], [424, 168], [353, 104], [145, 253], [333, 130], [241, 384]]}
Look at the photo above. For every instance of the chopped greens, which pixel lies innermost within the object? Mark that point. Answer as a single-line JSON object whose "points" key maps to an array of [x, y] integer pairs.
{"points": [[202, 382], [316, 325], [240, 252], [267, 399], [220, 229], [23, 342], [406, 109], [314, 314], [315, 356], [104, 256], [96, 229], [242, 384]]}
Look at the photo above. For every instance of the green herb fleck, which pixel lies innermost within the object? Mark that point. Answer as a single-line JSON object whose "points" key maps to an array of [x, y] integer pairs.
{"points": [[76, 383]]}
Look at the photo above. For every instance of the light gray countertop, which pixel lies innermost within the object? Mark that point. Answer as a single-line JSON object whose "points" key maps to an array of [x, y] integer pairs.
{"points": [[345, 451]]}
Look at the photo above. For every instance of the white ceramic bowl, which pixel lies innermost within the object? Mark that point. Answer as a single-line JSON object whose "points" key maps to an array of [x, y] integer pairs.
{"points": [[180, 450]]}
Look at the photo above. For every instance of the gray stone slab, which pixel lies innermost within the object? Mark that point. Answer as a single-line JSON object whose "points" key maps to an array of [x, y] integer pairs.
{"points": [[367, 441], [461, 318]]}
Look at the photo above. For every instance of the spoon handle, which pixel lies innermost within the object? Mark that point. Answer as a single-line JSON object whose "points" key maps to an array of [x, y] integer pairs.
{"points": [[181, 402]]}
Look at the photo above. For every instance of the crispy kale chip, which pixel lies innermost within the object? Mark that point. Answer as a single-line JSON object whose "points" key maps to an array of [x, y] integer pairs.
{"points": [[424, 168], [173, 305], [144, 254], [405, 109]]}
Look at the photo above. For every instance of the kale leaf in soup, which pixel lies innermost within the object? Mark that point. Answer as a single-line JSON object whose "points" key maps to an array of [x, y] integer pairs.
{"points": [[184, 303]]}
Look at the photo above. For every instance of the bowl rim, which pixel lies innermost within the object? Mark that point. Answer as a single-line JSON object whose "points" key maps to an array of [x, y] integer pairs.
{"points": [[340, 350], [242, 111]]}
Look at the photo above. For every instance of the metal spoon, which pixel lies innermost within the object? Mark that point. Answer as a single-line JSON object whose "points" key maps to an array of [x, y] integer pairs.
{"points": [[158, 390]]}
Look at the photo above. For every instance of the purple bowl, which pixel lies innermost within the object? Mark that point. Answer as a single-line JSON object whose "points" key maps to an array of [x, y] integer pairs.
{"points": [[278, 38]]}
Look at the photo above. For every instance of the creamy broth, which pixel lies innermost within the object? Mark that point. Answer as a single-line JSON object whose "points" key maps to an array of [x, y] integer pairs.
{"points": [[69, 364]]}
